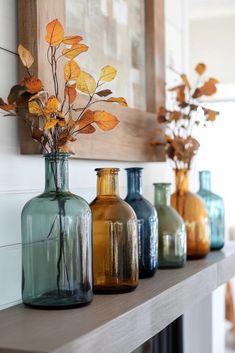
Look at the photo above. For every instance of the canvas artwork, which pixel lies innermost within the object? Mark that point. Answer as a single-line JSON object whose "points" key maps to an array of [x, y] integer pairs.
{"points": [[115, 32]]}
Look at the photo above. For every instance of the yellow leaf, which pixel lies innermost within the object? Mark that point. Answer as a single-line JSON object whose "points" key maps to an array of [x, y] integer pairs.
{"points": [[50, 123], [86, 83], [71, 70], [72, 40], [52, 105], [25, 56], [108, 73], [55, 33], [119, 100], [200, 68], [34, 108], [75, 50], [105, 121]]}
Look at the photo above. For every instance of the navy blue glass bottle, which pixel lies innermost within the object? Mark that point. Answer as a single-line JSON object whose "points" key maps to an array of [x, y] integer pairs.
{"points": [[147, 223], [215, 207]]}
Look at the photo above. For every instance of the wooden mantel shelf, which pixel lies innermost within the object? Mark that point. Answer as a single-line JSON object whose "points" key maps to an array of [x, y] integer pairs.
{"points": [[116, 323]]}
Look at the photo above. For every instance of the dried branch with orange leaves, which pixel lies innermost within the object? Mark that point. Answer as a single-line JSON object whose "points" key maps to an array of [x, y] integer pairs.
{"points": [[184, 115], [55, 120]]}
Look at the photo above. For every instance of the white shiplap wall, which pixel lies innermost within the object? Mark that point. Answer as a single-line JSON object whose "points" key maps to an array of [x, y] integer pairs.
{"points": [[22, 177]]}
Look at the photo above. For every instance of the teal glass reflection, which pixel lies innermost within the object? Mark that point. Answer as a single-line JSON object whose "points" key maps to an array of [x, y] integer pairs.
{"points": [[147, 223], [171, 230], [215, 207], [56, 243]]}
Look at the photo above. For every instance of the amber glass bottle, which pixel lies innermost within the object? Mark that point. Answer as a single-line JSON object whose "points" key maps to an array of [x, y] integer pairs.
{"points": [[115, 238], [194, 213]]}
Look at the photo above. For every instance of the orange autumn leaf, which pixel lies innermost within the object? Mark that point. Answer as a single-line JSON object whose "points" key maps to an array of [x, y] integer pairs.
{"points": [[26, 57], [50, 123], [180, 96], [200, 68], [71, 93], [52, 105], [209, 88], [105, 120], [5, 106], [33, 84], [72, 40], [119, 100], [86, 83], [75, 50], [86, 119], [54, 33], [88, 130], [71, 70], [211, 115]]}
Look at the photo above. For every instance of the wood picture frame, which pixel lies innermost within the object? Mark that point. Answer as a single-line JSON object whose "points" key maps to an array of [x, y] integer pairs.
{"points": [[129, 141]]}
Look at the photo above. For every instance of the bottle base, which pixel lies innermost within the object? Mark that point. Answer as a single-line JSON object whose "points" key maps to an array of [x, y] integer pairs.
{"points": [[112, 290], [217, 248], [171, 266], [54, 301], [147, 274], [196, 256]]}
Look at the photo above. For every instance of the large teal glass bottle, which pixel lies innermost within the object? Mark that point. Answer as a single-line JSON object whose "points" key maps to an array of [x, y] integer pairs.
{"points": [[56, 243], [147, 223], [171, 230], [215, 207]]}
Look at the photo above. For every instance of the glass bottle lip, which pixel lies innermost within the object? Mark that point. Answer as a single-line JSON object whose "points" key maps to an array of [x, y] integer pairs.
{"points": [[56, 155], [162, 184], [204, 172], [107, 170], [134, 169]]}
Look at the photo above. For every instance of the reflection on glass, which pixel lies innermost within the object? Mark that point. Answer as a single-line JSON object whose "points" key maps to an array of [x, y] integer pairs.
{"points": [[115, 238], [147, 223], [115, 32], [171, 230], [215, 207]]}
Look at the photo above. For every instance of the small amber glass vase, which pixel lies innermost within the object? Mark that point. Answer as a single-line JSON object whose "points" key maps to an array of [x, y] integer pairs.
{"points": [[193, 210], [115, 237]]}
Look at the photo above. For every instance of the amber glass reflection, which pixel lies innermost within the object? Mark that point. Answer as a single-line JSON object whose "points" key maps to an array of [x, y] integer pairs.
{"points": [[193, 210], [115, 238]]}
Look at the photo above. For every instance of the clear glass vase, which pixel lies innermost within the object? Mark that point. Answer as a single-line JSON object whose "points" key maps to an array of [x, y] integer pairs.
{"points": [[194, 213], [215, 207], [56, 243], [171, 230], [147, 223], [115, 238]]}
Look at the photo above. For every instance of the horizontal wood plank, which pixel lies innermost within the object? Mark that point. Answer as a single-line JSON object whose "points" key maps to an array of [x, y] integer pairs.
{"points": [[116, 323]]}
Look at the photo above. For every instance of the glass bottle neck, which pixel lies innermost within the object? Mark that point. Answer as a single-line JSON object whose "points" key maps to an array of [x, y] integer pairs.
{"points": [[205, 180], [56, 172], [162, 194], [182, 180], [107, 182], [134, 181]]}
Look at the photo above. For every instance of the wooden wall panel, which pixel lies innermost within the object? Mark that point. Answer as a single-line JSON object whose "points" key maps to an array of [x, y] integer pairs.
{"points": [[130, 140]]}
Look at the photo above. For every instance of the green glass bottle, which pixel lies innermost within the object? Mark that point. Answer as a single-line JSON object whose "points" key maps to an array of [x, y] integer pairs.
{"points": [[56, 243], [171, 230], [215, 207], [115, 237]]}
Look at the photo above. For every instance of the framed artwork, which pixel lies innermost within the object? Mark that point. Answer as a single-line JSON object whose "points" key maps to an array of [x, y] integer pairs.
{"points": [[127, 34]]}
